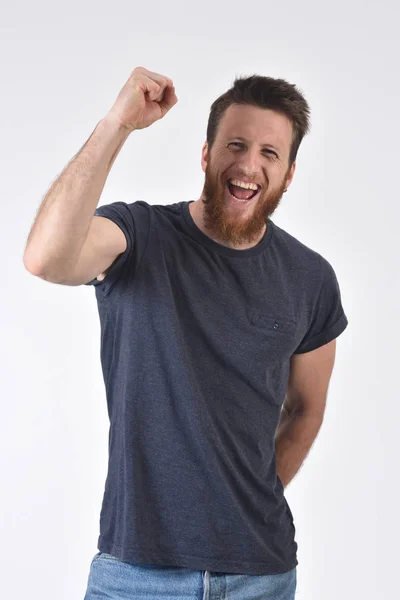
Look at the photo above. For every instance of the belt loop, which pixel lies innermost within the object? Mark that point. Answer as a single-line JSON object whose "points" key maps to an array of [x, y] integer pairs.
{"points": [[206, 585]]}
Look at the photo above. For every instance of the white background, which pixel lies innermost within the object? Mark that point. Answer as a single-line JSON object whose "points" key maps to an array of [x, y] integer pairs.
{"points": [[62, 67]]}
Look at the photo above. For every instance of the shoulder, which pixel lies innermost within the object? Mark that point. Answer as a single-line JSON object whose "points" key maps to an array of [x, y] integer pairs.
{"points": [[297, 252], [304, 264]]}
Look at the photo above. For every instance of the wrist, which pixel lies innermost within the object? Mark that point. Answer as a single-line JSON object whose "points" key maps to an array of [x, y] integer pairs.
{"points": [[114, 122]]}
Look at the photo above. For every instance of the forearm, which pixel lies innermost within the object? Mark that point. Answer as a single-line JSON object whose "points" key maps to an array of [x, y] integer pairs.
{"points": [[294, 437], [64, 217]]}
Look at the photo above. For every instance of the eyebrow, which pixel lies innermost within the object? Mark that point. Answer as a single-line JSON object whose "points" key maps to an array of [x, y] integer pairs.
{"points": [[264, 145]]}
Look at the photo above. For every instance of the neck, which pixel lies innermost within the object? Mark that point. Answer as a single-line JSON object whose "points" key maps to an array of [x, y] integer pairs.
{"points": [[196, 210]]}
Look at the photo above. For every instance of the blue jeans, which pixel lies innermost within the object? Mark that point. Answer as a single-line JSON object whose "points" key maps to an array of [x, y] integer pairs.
{"points": [[112, 579]]}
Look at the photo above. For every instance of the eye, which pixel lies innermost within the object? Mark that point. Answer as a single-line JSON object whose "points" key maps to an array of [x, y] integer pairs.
{"points": [[265, 150]]}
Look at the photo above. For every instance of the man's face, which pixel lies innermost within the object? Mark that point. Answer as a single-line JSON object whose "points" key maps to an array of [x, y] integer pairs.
{"points": [[261, 156]]}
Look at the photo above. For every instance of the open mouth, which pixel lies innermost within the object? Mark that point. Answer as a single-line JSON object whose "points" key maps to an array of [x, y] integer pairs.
{"points": [[241, 195]]}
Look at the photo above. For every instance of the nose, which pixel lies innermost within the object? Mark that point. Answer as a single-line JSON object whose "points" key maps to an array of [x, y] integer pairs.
{"points": [[249, 162]]}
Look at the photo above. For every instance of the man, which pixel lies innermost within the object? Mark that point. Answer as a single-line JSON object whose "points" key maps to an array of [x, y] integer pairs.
{"points": [[218, 334]]}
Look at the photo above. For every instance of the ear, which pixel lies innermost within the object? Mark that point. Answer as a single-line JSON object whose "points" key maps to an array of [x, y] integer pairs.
{"points": [[290, 175], [204, 156]]}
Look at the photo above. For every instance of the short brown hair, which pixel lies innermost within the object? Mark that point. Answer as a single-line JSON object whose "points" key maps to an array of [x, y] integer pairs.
{"points": [[264, 92]]}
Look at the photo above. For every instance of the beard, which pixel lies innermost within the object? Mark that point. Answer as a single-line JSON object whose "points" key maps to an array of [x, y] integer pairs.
{"points": [[226, 222]]}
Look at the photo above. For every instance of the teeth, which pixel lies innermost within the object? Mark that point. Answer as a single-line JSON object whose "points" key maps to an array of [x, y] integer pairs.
{"points": [[246, 186]]}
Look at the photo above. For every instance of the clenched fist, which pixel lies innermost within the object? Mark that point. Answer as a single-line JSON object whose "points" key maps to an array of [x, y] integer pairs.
{"points": [[146, 97]]}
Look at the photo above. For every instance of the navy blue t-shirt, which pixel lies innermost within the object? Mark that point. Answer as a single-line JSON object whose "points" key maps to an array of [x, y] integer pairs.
{"points": [[196, 340]]}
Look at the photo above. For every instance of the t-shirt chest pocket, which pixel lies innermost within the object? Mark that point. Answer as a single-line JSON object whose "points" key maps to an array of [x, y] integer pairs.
{"points": [[275, 333]]}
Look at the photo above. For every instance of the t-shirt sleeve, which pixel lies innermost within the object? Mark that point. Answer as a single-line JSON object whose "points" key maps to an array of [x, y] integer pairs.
{"points": [[328, 319], [121, 214]]}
